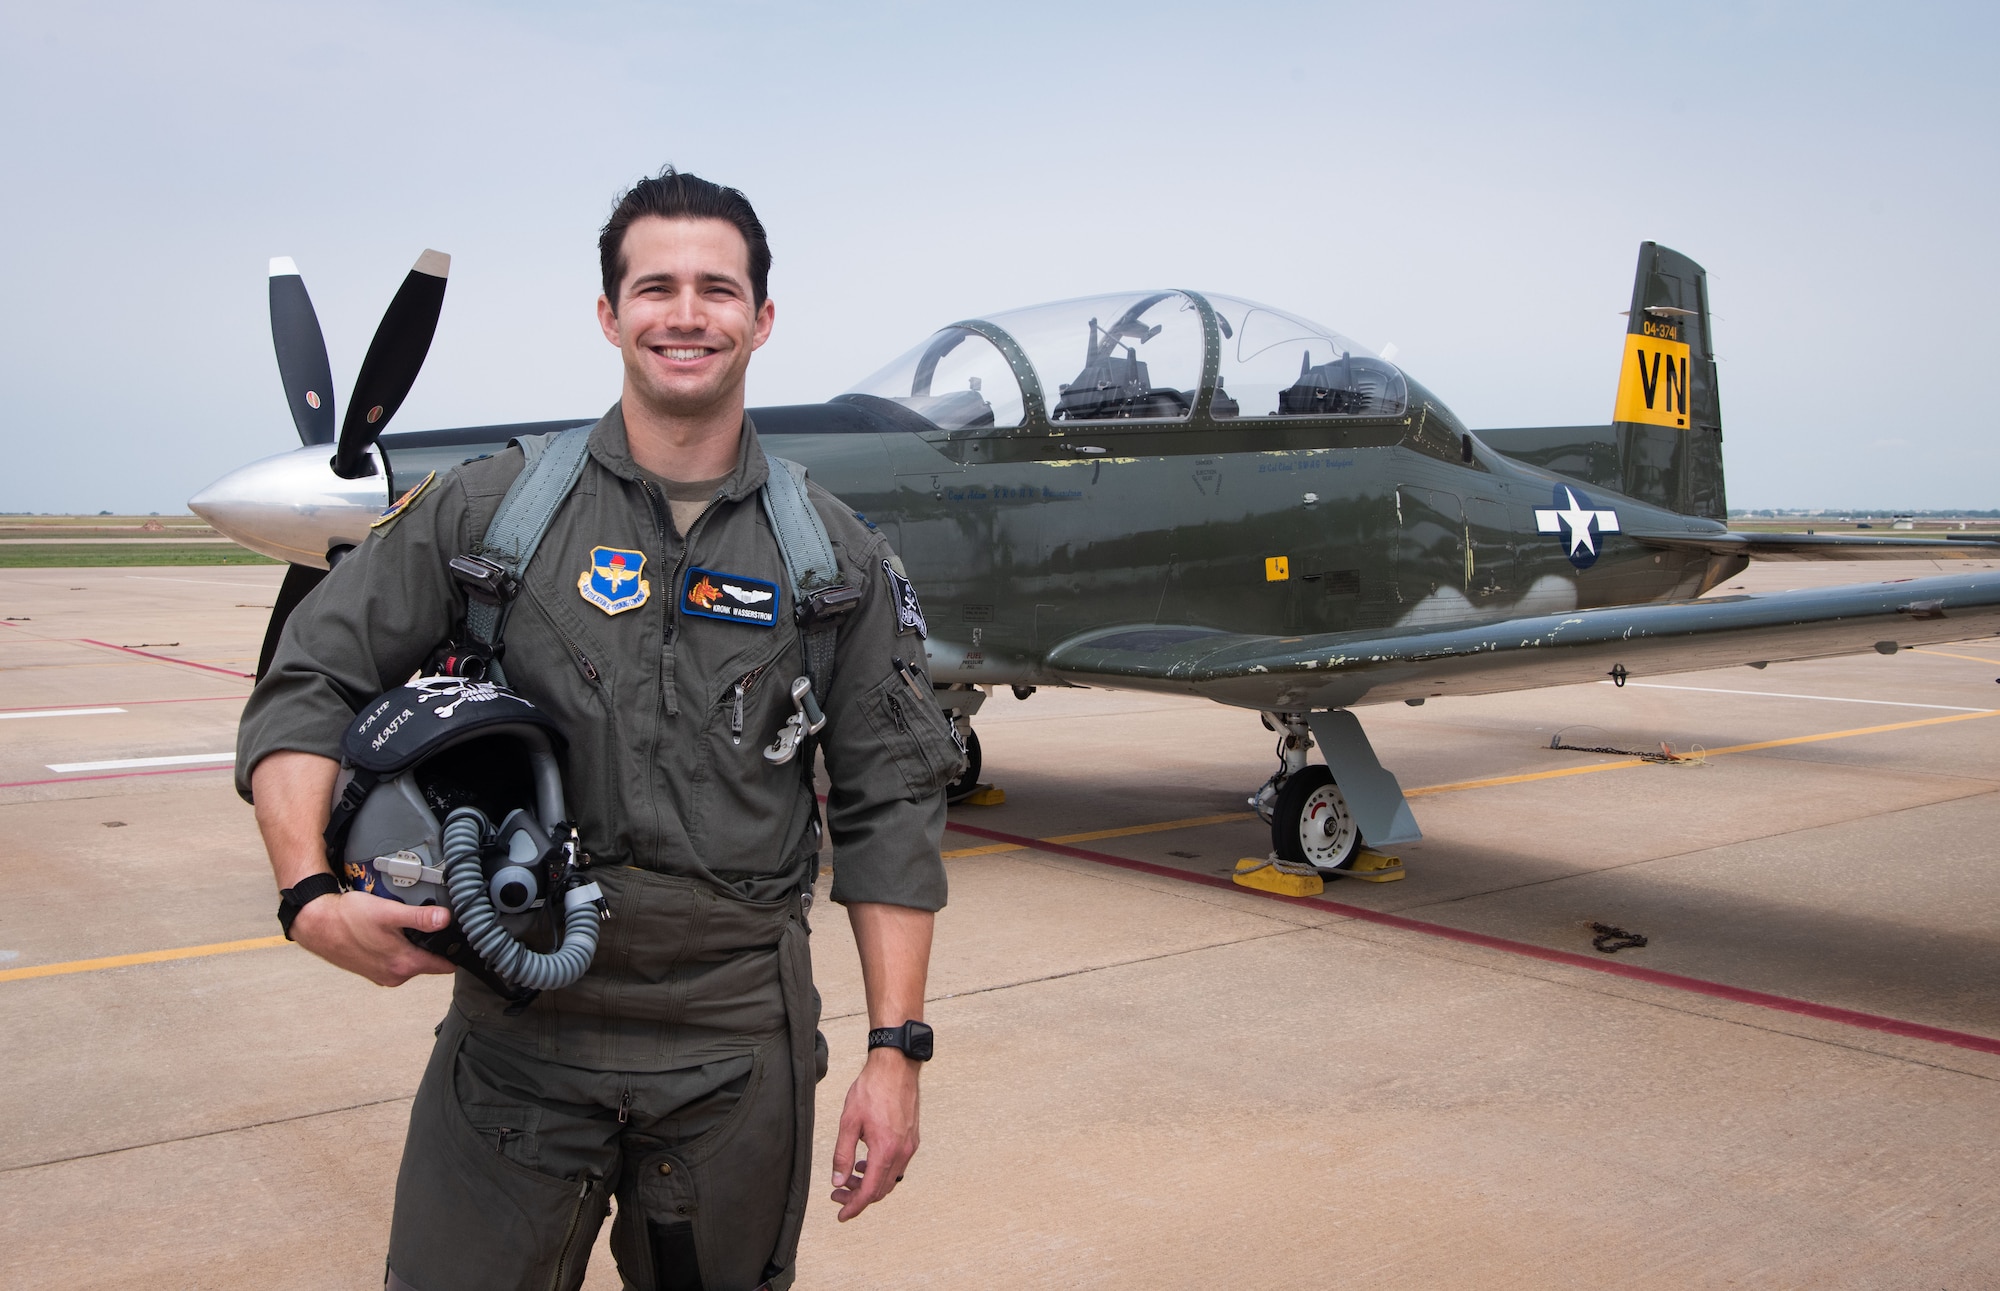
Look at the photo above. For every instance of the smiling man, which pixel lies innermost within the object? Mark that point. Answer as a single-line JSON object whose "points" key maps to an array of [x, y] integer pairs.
{"points": [[656, 625]]}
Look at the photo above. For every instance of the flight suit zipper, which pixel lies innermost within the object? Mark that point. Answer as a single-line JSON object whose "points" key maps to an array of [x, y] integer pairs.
{"points": [[567, 1249]]}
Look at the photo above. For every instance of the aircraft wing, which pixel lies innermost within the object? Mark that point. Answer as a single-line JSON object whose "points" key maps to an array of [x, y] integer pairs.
{"points": [[1337, 670], [1828, 546]]}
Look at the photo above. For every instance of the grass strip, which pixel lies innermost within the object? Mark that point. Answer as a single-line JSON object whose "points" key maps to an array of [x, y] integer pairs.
{"points": [[96, 556]]}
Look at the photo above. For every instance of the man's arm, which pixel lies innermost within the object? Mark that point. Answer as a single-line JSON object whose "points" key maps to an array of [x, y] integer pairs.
{"points": [[881, 1110], [352, 930]]}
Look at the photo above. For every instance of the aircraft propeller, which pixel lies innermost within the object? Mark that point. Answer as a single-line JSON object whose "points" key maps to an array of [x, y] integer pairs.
{"points": [[388, 370]]}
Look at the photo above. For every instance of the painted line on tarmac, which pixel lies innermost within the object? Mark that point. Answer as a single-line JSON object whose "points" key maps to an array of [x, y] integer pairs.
{"points": [[116, 775], [1092, 836], [1773, 694], [142, 957], [126, 764], [1695, 985], [128, 703], [17, 713], [1946, 654], [185, 663], [1494, 781]]}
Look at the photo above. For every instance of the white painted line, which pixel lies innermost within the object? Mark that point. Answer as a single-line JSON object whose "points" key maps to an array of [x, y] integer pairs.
{"points": [[60, 712], [123, 764], [245, 586], [1773, 694]]}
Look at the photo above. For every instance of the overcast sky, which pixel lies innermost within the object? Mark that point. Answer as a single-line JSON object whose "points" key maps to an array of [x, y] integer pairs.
{"points": [[1469, 182]]}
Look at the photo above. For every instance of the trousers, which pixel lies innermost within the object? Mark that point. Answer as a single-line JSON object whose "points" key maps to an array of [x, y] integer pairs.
{"points": [[513, 1162]]}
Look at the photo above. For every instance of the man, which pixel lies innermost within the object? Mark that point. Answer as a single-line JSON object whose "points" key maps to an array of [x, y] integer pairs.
{"points": [[677, 1075]]}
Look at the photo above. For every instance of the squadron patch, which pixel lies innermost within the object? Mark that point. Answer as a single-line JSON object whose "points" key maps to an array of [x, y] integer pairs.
{"points": [[402, 504], [729, 597], [615, 581], [909, 612]]}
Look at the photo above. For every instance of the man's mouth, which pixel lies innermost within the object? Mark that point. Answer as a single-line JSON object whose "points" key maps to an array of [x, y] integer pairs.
{"points": [[683, 352]]}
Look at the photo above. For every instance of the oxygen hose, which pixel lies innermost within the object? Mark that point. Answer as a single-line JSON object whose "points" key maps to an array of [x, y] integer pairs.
{"points": [[464, 831]]}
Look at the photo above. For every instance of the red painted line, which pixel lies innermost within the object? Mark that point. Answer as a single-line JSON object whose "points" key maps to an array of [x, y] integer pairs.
{"points": [[185, 663], [119, 703], [114, 775], [1696, 985]]}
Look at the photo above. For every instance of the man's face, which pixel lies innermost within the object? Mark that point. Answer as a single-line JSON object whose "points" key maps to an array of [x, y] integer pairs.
{"points": [[685, 320]]}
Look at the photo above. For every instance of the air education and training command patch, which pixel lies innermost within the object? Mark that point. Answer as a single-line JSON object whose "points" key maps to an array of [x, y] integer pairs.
{"points": [[614, 582], [729, 597]]}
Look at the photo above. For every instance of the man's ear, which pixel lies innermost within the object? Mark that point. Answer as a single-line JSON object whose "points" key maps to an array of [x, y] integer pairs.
{"points": [[767, 313], [607, 318]]}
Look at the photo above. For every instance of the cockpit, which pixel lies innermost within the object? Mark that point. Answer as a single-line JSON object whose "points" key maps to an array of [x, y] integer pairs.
{"points": [[1161, 356]]}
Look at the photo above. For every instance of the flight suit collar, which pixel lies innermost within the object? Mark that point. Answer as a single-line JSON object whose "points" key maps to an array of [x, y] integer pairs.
{"points": [[609, 445]]}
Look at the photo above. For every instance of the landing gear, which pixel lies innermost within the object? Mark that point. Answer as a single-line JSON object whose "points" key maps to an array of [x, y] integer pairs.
{"points": [[1311, 823], [968, 784]]}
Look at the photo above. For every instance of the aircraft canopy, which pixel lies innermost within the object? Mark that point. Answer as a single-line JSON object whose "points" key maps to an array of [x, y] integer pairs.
{"points": [[1152, 356]]}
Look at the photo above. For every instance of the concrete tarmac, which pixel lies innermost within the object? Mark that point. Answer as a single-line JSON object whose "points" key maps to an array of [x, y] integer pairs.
{"points": [[1145, 1078]]}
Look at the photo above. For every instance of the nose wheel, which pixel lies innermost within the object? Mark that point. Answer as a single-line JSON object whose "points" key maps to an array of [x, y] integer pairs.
{"points": [[967, 784], [1311, 823]]}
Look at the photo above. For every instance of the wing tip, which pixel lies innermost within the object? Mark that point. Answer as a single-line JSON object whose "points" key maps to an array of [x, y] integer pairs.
{"points": [[282, 267], [435, 263]]}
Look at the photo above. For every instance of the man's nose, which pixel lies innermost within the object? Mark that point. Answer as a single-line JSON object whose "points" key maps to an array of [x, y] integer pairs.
{"points": [[686, 312]]}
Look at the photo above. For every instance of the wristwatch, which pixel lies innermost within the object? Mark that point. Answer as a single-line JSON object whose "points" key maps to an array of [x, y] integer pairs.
{"points": [[913, 1038], [295, 898]]}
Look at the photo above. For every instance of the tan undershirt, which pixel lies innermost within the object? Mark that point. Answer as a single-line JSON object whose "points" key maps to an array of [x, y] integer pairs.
{"points": [[687, 499]]}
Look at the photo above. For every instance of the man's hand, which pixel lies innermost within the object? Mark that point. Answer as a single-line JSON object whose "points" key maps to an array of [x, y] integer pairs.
{"points": [[352, 930], [881, 1112], [363, 934]]}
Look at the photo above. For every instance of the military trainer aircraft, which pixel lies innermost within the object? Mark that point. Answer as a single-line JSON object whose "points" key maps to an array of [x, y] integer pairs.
{"points": [[1185, 492]]}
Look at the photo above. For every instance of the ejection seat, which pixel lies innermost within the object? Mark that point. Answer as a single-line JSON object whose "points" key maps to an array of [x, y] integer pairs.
{"points": [[1346, 386]]}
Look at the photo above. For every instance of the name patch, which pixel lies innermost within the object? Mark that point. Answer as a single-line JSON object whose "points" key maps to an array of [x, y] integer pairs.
{"points": [[730, 597], [615, 580]]}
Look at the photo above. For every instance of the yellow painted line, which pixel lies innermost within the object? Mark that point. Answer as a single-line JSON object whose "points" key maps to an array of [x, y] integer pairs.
{"points": [[1946, 654], [1496, 781], [1707, 753], [1125, 831], [991, 849], [143, 957], [1190, 823]]}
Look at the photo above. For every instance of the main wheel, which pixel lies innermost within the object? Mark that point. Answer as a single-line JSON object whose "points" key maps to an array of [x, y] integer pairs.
{"points": [[961, 789], [1310, 822]]}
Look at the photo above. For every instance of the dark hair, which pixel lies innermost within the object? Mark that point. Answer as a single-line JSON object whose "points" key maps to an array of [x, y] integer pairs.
{"points": [[674, 195]]}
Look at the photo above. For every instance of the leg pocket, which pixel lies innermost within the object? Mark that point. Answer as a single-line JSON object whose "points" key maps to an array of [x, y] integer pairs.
{"points": [[731, 1186], [468, 1216]]}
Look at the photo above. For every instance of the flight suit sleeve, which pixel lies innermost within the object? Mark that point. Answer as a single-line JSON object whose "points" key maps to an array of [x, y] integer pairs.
{"points": [[889, 749], [367, 627]]}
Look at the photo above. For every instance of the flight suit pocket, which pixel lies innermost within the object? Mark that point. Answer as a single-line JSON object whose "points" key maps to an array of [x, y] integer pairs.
{"points": [[916, 734], [718, 1203]]}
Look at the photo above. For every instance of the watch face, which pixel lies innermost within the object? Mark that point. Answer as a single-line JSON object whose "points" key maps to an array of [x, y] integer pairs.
{"points": [[919, 1044]]}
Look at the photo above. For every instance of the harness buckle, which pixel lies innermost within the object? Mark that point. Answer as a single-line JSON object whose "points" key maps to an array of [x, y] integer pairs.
{"points": [[827, 603]]}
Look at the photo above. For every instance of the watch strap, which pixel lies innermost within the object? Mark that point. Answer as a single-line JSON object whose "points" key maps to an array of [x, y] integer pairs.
{"points": [[295, 898], [913, 1039]]}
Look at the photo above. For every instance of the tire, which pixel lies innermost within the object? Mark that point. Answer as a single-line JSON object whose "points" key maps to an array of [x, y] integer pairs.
{"points": [[962, 788], [1300, 819]]}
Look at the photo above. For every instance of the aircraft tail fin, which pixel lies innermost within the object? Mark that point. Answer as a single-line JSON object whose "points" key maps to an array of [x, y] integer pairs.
{"points": [[1667, 420]]}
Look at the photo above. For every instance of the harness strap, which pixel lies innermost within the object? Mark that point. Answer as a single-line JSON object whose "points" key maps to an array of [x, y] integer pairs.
{"points": [[809, 561], [553, 464]]}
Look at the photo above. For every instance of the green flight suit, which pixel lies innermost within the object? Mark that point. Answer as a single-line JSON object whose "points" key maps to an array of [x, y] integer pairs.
{"points": [[678, 1073]]}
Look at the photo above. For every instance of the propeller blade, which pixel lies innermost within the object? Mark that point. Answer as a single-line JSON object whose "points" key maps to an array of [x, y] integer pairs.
{"points": [[301, 350], [299, 580], [394, 358]]}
